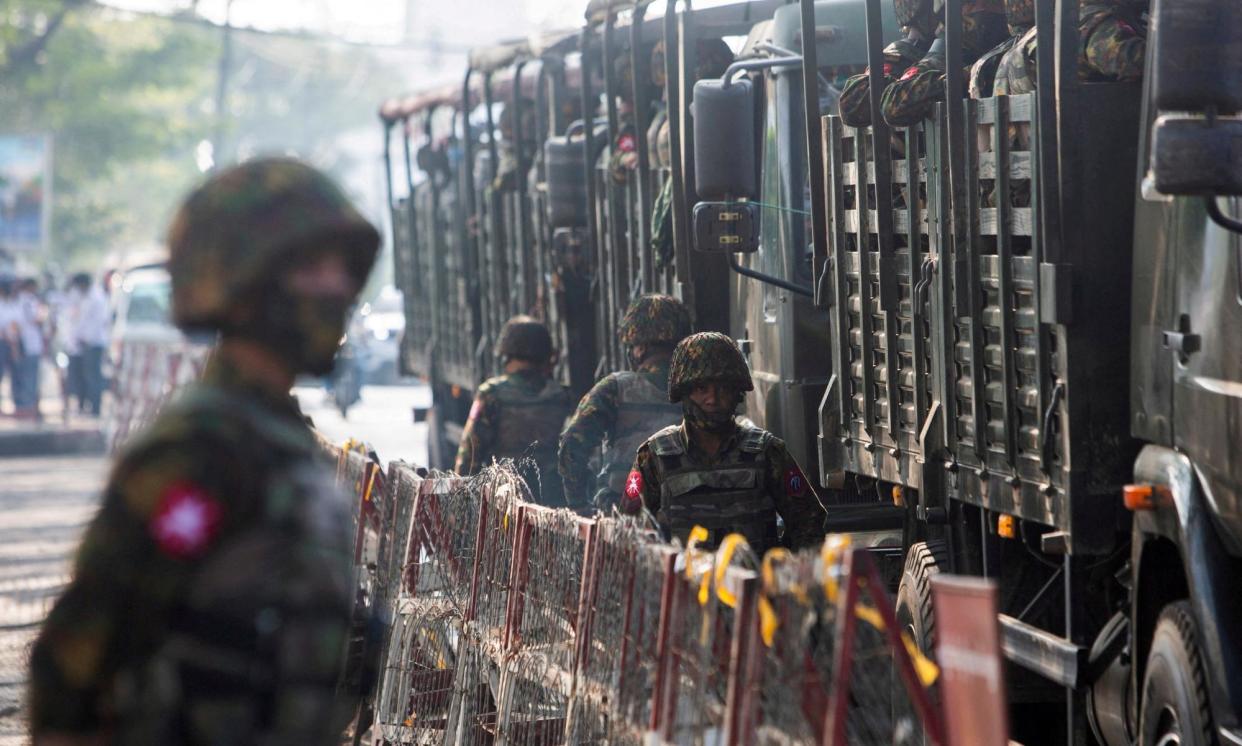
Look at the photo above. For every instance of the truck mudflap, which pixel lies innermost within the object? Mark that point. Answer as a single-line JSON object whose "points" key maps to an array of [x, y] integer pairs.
{"points": [[1186, 520]]}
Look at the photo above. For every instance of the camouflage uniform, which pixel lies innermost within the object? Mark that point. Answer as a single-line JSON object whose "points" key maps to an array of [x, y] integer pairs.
{"points": [[519, 415], [744, 487], [1112, 46], [909, 99], [855, 100], [624, 408], [212, 593], [1020, 16]]}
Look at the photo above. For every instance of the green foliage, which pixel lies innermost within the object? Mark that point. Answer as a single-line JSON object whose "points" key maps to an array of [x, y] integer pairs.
{"points": [[122, 97], [128, 98]]}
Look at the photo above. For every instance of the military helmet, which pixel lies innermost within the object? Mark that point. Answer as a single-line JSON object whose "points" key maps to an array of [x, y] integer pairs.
{"points": [[525, 338], [918, 14], [240, 227], [654, 319], [1019, 14], [706, 356]]}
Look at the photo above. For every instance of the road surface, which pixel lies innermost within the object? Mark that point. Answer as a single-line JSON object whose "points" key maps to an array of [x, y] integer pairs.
{"points": [[384, 418]]}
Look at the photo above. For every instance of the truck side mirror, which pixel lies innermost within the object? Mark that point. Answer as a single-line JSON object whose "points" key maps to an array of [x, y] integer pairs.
{"points": [[1196, 147], [726, 227], [724, 139], [1197, 156], [1198, 55]]}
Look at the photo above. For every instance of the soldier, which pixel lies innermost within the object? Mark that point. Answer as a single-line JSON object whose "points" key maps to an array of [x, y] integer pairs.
{"points": [[1113, 44], [909, 99], [519, 414], [212, 592], [1020, 17], [918, 23], [713, 472], [626, 407]]}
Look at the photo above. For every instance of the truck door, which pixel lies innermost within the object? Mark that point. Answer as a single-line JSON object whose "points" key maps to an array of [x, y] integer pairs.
{"points": [[1203, 341]]}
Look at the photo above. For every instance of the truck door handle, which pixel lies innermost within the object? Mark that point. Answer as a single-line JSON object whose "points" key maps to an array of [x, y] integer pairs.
{"points": [[1182, 341]]}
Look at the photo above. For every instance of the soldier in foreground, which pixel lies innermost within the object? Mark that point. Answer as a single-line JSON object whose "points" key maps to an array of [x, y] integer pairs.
{"points": [[624, 408], [212, 593], [519, 414], [712, 472]]}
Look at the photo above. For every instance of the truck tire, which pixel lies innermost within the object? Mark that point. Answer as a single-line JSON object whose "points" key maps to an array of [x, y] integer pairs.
{"points": [[1175, 708], [914, 612], [914, 596]]}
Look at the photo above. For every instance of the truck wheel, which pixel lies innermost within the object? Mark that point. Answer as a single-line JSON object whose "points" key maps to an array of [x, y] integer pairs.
{"points": [[914, 611], [914, 596], [1175, 706]]}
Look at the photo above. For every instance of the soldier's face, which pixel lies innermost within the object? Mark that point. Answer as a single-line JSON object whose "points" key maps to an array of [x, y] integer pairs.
{"points": [[714, 397], [323, 276]]}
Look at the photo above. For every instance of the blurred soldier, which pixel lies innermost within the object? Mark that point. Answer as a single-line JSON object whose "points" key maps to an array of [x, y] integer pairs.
{"points": [[910, 98], [212, 595], [712, 58], [1020, 17], [711, 471], [918, 23], [626, 407], [519, 414], [1113, 44]]}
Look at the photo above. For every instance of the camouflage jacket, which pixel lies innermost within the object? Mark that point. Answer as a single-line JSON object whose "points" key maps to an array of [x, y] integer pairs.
{"points": [[909, 99], [596, 420], [216, 572], [1113, 47], [855, 99], [782, 481], [514, 416]]}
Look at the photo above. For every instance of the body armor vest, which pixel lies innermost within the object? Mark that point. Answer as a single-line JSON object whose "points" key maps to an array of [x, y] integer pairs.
{"points": [[643, 408], [530, 426], [255, 649], [727, 497]]}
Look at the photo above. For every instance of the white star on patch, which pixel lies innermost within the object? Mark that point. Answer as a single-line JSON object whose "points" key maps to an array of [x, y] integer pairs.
{"points": [[185, 522], [634, 486]]}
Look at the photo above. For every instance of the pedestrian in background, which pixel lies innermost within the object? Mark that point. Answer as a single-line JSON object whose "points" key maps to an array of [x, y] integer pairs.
{"points": [[31, 316], [90, 337], [9, 348]]}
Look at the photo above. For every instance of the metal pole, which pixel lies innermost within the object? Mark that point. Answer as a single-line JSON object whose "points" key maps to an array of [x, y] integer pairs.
{"points": [[814, 144]]}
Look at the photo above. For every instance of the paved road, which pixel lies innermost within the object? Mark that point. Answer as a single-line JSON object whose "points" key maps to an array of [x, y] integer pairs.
{"points": [[45, 503], [384, 418]]}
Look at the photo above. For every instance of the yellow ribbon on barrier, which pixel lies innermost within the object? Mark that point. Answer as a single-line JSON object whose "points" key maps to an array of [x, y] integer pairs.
{"points": [[693, 560], [724, 556], [830, 556], [366, 494], [924, 668], [768, 621]]}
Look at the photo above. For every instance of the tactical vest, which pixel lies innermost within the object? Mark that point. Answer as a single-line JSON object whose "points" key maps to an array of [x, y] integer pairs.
{"points": [[727, 497], [530, 425], [642, 409], [255, 648]]}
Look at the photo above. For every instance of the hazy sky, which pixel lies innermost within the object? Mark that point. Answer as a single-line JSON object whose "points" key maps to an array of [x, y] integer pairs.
{"points": [[384, 21]]}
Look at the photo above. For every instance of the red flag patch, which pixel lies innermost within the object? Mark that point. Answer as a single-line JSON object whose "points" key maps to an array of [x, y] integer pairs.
{"points": [[795, 482], [186, 521], [626, 143], [632, 500], [910, 72]]}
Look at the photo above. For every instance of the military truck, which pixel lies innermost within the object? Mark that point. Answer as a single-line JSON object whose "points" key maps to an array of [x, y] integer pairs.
{"points": [[1031, 302], [1001, 334]]}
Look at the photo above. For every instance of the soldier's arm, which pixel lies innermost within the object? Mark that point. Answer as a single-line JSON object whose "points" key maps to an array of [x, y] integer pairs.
{"points": [[163, 508], [478, 436], [855, 100], [909, 99], [795, 498], [591, 422], [1116, 49]]}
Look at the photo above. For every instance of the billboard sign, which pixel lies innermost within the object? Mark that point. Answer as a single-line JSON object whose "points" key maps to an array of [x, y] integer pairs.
{"points": [[25, 192]]}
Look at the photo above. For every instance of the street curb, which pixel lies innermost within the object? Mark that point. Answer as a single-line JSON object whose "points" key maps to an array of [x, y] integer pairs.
{"points": [[51, 442]]}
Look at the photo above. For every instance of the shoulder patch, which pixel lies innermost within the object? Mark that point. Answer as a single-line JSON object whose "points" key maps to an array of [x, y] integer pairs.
{"points": [[795, 482], [186, 520]]}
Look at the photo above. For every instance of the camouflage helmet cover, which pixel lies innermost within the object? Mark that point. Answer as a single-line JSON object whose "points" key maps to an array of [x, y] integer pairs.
{"points": [[525, 338], [712, 57], [1020, 15], [918, 14], [235, 232], [707, 356], [654, 319]]}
